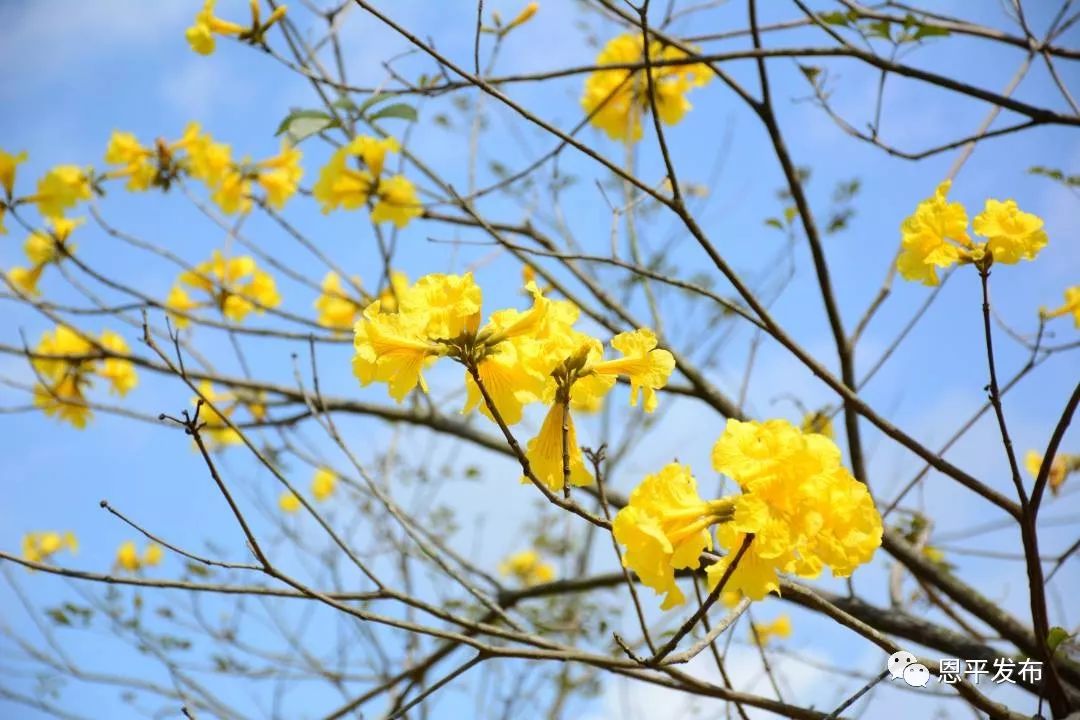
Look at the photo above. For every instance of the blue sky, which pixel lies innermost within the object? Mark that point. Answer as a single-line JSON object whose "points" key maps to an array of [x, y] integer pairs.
{"points": [[85, 69]]}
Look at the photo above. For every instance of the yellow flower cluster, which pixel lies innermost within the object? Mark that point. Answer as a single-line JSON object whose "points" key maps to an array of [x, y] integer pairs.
{"points": [[235, 286], [62, 381], [521, 357], [803, 508], [128, 559], [43, 248], [618, 99], [8, 164], [527, 568], [231, 183], [935, 236], [41, 545], [1071, 306], [1064, 464], [215, 427], [200, 35], [323, 485], [392, 198]]}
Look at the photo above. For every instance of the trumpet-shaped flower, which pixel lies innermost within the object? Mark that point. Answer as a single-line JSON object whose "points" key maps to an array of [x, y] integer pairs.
{"points": [[61, 189], [545, 452], [1071, 306], [200, 35], [527, 568], [119, 372], [665, 527], [280, 175], [618, 99], [646, 366], [8, 163], [1011, 234], [934, 236], [392, 348], [136, 160]]}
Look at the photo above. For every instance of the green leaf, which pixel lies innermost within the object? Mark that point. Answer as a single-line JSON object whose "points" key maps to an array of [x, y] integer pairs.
{"points": [[396, 110], [345, 103], [926, 31], [1055, 637], [811, 72], [879, 29], [834, 18], [790, 213], [300, 124], [773, 222]]}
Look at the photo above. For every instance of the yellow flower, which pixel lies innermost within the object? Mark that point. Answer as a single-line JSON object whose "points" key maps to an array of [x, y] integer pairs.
{"points": [[41, 545], [8, 164], [1063, 465], [647, 367], [180, 301], [335, 308], [392, 348], [665, 527], [62, 188], [26, 279], [62, 382], [288, 502], [545, 452], [120, 373], [1071, 306], [925, 237], [396, 202], [138, 166], [508, 381], [323, 484], [207, 160], [527, 568], [235, 286], [200, 36], [618, 99], [280, 175], [1012, 235], [393, 199], [803, 507], [818, 422], [233, 193], [778, 628], [523, 17], [127, 556], [152, 554]]}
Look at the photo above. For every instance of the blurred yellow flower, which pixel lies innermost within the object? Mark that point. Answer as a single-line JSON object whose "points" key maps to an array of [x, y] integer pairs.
{"points": [[200, 35], [618, 99], [392, 199], [235, 286], [819, 422], [8, 164], [137, 161], [1071, 306], [62, 188], [41, 545], [527, 568], [778, 628], [215, 427], [323, 484], [336, 310], [128, 559], [288, 502], [1063, 465]]}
